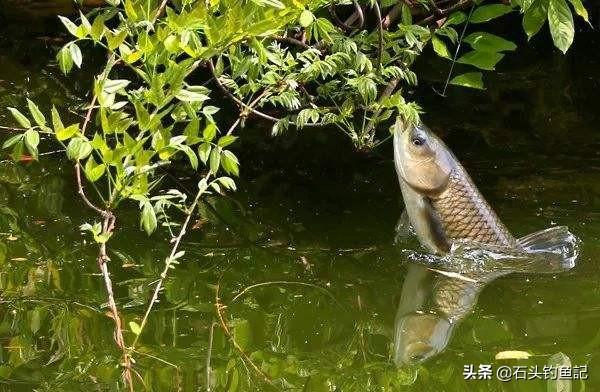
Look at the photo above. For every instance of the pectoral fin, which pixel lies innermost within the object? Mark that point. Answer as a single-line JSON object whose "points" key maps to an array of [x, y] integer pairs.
{"points": [[424, 220], [404, 229]]}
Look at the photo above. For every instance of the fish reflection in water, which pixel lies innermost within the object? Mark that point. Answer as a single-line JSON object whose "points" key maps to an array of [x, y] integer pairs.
{"points": [[440, 291], [468, 246], [431, 306]]}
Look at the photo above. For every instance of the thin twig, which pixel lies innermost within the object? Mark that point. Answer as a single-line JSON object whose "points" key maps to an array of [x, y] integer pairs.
{"points": [[209, 354], [292, 41], [156, 358], [168, 264], [380, 31], [358, 14], [160, 10], [220, 309], [81, 192], [389, 90], [51, 152], [445, 12], [276, 282], [460, 40], [88, 115], [248, 107], [236, 99], [13, 129], [234, 125]]}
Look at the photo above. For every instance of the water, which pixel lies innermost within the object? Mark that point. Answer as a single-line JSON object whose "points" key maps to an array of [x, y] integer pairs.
{"points": [[303, 254]]}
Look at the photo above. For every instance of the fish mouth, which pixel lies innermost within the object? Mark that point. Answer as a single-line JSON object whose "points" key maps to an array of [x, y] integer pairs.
{"points": [[401, 125], [418, 352]]}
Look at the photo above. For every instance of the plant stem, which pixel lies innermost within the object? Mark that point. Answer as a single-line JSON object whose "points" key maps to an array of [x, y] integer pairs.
{"points": [[108, 227], [168, 263], [460, 40], [209, 354]]}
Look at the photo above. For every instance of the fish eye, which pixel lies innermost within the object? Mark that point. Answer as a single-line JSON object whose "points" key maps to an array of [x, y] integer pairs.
{"points": [[418, 141]]}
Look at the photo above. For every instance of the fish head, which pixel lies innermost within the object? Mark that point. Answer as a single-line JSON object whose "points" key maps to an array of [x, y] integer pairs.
{"points": [[420, 336], [422, 160]]}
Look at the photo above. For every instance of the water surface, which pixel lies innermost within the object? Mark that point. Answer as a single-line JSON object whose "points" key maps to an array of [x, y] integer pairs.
{"points": [[303, 254]]}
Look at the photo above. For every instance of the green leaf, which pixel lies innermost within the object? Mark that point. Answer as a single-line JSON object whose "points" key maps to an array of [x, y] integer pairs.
{"points": [[227, 182], [306, 18], [406, 15], [525, 4], [455, 19], [489, 12], [32, 140], [112, 86], [215, 160], [56, 121], [366, 88], [114, 40], [21, 119], [191, 96], [191, 131], [469, 79], [190, 154], [37, 115], [230, 163], [11, 141], [481, 60], [67, 133], [97, 30], [226, 140], [36, 315], [76, 54], [486, 42], [535, 17], [561, 24], [215, 185], [148, 218], [204, 152], [93, 171], [440, 47], [269, 3], [71, 27], [78, 148], [171, 43], [65, 61], [17, 150], [135, 328], [580, 9], [210, 131]]}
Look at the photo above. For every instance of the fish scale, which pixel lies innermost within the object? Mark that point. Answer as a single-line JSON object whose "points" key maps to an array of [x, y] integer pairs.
{"points": [[465, 215]]}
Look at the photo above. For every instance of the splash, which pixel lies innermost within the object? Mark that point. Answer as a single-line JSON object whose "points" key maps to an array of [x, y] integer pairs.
{"points": [[551, 250]]}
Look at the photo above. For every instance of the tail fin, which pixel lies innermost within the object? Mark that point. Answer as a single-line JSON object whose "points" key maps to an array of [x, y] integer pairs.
{"points": [[558, 243]]}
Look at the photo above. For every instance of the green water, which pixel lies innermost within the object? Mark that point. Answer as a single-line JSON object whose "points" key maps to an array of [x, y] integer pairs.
{"points": [[307, 244]]}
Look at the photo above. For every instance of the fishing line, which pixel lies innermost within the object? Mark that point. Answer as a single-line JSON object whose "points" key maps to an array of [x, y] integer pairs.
{"points": [[460, 40]]}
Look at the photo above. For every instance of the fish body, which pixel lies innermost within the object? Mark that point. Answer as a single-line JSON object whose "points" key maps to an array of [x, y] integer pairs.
{"points": [[445, 208], [442, 202]]}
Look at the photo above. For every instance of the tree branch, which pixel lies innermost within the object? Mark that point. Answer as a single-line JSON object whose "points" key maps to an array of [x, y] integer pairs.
{"points": [[358, 14], [292, 41], [436, 16], [236, 99]]}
